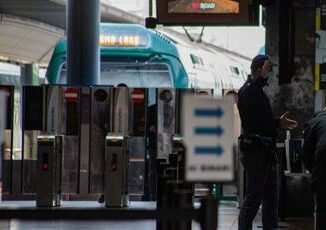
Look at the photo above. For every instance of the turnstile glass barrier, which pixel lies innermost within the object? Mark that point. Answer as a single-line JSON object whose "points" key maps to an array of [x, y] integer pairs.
{"points": [[32, 124], [12, 148], [84, 116], [48, 170]]}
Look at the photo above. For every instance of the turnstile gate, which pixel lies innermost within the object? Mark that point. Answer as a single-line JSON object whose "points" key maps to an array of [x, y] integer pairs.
{"points": [[49, 152], [116, 171]]}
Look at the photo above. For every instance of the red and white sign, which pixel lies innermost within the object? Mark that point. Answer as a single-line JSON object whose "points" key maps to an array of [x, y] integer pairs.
{"points": [[71, 95], [138, 96]]}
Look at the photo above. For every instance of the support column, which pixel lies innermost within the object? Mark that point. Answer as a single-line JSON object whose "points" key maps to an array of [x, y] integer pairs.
{"points": [[286, 41], [83, 56]]}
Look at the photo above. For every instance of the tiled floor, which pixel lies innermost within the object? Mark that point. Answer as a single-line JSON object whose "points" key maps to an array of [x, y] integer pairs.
{"points": [[227, 220]]}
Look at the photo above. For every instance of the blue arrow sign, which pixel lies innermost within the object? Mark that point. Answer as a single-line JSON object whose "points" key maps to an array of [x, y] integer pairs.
{"points": [[218, 112], [209, 131], [209, 150]]}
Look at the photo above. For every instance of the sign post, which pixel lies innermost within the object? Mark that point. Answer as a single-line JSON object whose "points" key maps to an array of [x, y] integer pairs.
{"points": [[208, 134]]}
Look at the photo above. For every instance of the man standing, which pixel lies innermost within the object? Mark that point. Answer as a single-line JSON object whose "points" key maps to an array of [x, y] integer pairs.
{"points": [[257, 147], [314, 158]]}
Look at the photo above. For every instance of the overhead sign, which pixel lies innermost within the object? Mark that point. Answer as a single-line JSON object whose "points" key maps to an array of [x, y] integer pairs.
{"points": [[203, 12], [208, 132], [127, 36]]}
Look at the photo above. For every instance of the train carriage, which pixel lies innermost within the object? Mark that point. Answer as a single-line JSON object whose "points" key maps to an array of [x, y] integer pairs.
{"points": [[138, 57]]}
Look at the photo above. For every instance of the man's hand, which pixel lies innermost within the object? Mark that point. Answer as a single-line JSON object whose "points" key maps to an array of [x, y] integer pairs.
{"points": [[265, 69], [286, 123]]}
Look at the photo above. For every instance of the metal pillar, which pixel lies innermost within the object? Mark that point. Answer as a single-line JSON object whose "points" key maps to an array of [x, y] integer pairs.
{"points": [[286, 41], [29, 74], [83, 56]]}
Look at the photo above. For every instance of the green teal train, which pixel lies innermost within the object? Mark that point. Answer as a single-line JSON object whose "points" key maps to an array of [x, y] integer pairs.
{"points": [[138, 57]]}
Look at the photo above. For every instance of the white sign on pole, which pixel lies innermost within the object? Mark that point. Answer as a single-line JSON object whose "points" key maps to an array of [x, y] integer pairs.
{"points": [[208, 133]]}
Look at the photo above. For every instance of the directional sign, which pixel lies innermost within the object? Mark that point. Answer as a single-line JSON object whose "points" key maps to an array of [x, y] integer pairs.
{"points": [[208, 133], [218, 150], [209, 112], [218, 131]]}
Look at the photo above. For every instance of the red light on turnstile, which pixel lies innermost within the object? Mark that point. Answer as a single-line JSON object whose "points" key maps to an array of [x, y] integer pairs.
{"points": [[114, 163], [114, 166], [45, 167], [45, 161]]}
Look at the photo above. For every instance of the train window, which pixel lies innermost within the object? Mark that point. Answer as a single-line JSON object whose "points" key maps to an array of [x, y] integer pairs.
{"points": [[136, 74], [196, 60], [132, 74], [236, 70], [201, 60], [244, 75], [62, 74]]}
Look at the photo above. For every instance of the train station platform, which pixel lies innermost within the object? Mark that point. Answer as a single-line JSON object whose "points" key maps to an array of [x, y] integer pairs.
{"points": [[227, 218]]}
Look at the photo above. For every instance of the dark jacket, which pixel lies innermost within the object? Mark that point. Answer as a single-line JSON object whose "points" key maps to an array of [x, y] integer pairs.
{"points": [[255, 109], [314, 148], [152, 121]]}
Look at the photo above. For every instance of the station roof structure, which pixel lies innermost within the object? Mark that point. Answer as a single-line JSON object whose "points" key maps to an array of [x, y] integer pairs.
{"points": [[29, 29]]}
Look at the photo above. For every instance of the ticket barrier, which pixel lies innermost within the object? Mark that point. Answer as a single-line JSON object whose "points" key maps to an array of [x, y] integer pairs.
{"points": [[295, 192], [49, 155], [293, 151], [173, 191], [116, 171]]}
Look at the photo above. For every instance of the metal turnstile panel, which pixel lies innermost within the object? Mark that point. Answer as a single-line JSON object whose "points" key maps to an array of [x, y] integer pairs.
{"points": [[100, 126], [116, 171], [165, 122], [49, 170]]}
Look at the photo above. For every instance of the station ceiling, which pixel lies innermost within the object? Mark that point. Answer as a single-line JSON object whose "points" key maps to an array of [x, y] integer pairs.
{"points": [[29, 29]]}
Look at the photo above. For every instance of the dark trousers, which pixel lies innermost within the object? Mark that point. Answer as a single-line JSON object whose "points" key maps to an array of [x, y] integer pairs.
{"points": [[320, 205], [261, 188]]}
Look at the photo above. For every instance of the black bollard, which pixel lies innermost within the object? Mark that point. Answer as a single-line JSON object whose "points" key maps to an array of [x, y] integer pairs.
{"points": [[182, 199], [173, 160], [208, 213]]}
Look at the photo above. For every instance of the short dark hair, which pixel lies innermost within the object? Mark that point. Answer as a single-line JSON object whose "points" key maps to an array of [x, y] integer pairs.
{"points": [[122, 85], [231, 92], [258, 62]]}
